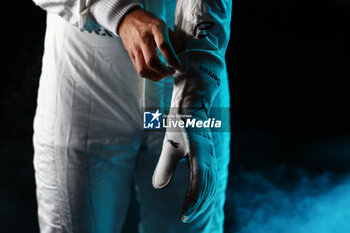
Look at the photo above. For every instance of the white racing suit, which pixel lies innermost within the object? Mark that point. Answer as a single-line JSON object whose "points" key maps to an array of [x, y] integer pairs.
{"points": [[89, 142]]}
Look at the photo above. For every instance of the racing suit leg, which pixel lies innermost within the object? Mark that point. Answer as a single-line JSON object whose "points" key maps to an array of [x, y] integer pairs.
{"points": [[86, 131]]}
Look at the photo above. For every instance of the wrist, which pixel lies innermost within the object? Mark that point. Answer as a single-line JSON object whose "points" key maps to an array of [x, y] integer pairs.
{"points": [[109, 13], [127, 18]]}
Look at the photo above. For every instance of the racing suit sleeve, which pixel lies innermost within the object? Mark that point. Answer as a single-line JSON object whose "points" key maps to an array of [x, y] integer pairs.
{"points": [[203, 28], [90, 14]]}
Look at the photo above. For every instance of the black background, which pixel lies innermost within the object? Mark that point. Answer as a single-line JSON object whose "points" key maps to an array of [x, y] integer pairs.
{"points": [[289, 71]]}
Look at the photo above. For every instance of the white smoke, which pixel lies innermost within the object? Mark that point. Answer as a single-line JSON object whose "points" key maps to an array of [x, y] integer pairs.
{"points": [[306, 205]]}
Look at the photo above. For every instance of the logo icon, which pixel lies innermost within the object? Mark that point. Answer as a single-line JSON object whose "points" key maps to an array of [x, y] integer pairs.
{"points": [[151, 120], [199, 29]]}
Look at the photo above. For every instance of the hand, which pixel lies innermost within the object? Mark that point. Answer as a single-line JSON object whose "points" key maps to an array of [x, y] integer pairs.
{"points": [[198, 148], [193, 93], [196, 84], [141, 33]]}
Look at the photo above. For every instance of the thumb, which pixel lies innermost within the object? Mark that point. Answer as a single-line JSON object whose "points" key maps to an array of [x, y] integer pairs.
{"points": [[168, 160], [177, 43], [165, 47]]}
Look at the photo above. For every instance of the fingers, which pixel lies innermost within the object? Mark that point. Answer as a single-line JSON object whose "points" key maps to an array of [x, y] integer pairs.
{"points": [[203, 177], [167, 163], [141, 67], [142, 32], [177, 44], [200, 195], [161, 37], [192, 192], [153, 62], [148, 65]]}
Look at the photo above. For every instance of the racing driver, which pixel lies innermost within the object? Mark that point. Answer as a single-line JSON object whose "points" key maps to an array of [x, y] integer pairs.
{"points": [[104, 63]]}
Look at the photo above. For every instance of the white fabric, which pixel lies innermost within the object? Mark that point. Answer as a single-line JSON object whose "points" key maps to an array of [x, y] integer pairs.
{"points": [[88, 137], [92, 14], [196, 85], [110, 13], [75, 12]]}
